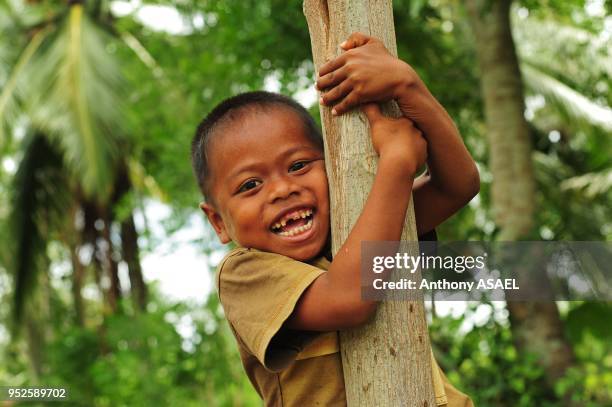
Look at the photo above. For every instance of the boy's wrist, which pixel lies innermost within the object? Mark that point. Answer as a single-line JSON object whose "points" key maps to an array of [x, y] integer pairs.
{"points": [[412, 95], [397, 164], [409, 82]]}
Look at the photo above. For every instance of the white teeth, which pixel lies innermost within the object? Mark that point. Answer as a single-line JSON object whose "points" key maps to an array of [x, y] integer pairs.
{"points": [[297, 230], [294, 216]]}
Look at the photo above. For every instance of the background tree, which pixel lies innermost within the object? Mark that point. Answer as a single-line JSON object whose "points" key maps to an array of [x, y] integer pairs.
{"points": [[537, 327]]}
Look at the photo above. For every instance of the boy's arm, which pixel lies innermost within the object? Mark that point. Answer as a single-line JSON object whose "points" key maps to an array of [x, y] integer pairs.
{"points": [[452, 179], [366, 72], [333, 301]]}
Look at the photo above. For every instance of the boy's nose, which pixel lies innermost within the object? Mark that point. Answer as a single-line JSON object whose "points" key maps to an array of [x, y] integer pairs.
{"points": [[282, 188]]}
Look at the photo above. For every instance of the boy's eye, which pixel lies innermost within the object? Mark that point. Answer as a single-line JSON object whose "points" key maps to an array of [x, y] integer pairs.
{"points": [[248, 185], [297, 166]]}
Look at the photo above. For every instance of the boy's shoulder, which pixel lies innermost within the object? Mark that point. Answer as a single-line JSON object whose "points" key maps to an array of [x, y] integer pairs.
{"points": [[255, 255], [258, 291], [251, 264], [244, 254], [237, 251], [227, 259]]}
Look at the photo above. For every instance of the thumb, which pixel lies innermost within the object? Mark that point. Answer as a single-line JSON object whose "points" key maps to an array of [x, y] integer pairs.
{"points": [[372, 112]]}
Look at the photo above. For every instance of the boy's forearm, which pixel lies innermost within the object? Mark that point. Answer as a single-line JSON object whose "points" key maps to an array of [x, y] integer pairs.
{"points": [[384, 212], [382, 219], [451, 168]]}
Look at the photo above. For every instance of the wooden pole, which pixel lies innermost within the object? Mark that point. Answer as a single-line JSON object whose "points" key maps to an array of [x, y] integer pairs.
{"points": [[387, 362]]}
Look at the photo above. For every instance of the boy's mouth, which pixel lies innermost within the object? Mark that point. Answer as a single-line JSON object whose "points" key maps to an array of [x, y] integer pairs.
{"points": [[294, 222]]}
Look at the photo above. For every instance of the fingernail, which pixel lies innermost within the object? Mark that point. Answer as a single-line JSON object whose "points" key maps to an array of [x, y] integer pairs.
{"points": [[321, 102], [334, 112], [343, 44]]}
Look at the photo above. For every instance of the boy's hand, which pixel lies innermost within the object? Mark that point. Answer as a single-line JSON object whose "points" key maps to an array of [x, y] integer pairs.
{"points": [[366, 72], [397, 140]]}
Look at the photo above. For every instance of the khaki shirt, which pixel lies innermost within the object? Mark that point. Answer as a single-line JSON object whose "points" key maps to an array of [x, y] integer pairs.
{"points": [[258, 291]]}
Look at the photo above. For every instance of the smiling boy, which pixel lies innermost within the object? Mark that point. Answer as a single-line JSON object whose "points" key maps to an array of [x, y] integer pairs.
{"points": [[267, 141], [258, 158]]}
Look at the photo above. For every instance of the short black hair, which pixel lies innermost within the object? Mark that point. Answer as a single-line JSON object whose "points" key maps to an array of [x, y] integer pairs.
{"points": [[232, 109]]}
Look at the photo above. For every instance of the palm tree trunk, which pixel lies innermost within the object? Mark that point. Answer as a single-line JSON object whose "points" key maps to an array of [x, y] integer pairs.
{"points": [[110, 265], [536, 327], [38, 333], [129, 240], [129, 245], [78, 269], [90, 236], [507, 131], [35, 343], [78, 273]]}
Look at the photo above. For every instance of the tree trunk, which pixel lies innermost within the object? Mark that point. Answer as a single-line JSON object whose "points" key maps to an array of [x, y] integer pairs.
{"points": [[513, 190], [536, 327], [109, 263], [78, 269], [38, 333], [35, 344], [90, 235], [78, 273], [129, 246], [387, 362]]}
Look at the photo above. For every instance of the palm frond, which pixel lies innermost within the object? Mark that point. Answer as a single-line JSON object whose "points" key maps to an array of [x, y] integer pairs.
{"points": [[75, 97], [39, 189], [571, 103], [8, 91], [143, 182], [593, 184], [575, 55], [143, 54]]}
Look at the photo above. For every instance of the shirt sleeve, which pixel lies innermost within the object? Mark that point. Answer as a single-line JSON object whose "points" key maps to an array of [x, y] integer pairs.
{"points": [[430, 236], [258, 291]]}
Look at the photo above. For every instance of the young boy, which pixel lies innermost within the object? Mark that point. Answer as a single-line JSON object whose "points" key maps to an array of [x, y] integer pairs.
{"points": [[258, 158]]}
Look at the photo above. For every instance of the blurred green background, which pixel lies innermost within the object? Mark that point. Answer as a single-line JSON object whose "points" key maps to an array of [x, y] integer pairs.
{"points": [[106, 264]]}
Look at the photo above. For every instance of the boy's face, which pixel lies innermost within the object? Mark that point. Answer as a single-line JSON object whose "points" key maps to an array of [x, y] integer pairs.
{"points": [[268, 185]]}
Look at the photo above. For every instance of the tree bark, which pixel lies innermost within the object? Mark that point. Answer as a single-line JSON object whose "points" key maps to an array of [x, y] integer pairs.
{"points": [[536, 327], [90, 235], [109, 263], [78, 269], [129, 246], [38, 333], [513, 187], [78, 273], [35, 343], [387, 362]]}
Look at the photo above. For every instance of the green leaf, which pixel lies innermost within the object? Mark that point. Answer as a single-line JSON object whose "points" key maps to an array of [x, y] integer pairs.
{"points": [[75, 98], [570, 102], [8, 92], [593, 183]]}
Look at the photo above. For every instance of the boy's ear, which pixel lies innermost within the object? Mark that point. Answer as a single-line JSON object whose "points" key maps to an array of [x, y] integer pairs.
{"points": [[216, 221]]}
